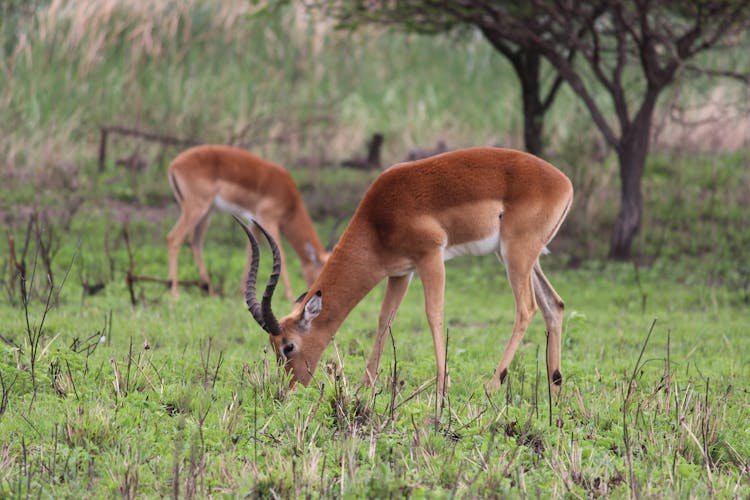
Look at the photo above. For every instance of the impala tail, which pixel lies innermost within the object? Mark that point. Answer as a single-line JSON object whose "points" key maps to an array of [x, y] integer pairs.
{"points": [[175, 188]]}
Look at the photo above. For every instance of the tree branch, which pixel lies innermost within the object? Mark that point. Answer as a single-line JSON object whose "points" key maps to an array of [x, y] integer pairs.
{"points": [[732, 75], [573, 78], [550, 97]]}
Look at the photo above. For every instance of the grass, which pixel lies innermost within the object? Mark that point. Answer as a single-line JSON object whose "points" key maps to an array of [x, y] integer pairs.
{"points": [[182, 398]]}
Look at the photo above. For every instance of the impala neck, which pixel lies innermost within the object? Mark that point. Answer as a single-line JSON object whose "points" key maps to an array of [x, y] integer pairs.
{"points": [[300, 232], [347, 277]]}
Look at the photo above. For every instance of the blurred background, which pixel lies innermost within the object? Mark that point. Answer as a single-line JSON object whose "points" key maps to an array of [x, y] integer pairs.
{"points": [[96, 97], [644, 104]]}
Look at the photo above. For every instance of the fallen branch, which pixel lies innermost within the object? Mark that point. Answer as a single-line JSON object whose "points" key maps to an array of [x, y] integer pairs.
{"points": [[149, 279], [105, 130]]}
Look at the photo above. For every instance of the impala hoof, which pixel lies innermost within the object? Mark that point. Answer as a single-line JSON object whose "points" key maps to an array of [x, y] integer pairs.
{"points": [[497, 381], [368, 380], [493, 385], [557, 378]]}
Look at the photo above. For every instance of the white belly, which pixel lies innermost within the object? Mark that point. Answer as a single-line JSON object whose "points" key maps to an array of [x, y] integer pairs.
{"points": [[225, 206], [484, 246]]}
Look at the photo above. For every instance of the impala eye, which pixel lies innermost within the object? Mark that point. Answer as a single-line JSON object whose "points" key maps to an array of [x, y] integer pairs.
{"points": [[288, 348]]}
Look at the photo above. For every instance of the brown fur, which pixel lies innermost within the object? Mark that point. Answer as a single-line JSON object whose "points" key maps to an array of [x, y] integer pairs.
{"points": [[200, 174], [404, 223]]}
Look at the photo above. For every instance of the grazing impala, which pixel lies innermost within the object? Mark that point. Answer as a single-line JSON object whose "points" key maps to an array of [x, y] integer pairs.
{"points": [[233, 180], [414, 217]]}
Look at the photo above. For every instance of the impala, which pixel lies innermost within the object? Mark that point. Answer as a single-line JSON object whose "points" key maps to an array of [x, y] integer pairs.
{"points": [[235, 181], [414, 217]]}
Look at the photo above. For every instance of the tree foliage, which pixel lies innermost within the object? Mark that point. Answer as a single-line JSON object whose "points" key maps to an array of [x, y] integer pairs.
{"points": [[633, 48], [435, 17]]}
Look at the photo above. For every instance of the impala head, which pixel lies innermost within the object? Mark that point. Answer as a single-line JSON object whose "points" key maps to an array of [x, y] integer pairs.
{"points": [[298, 351]]}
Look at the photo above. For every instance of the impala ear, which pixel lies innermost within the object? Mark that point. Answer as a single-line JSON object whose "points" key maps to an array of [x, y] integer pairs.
{"points": [[311, 311], [302, 296]]}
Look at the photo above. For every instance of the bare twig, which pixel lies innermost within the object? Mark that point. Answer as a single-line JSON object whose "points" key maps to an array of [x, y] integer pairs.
{"points": [[705, 458], [5, 395], [116, 381], [13, 265], [742, 77], [625, 433]]}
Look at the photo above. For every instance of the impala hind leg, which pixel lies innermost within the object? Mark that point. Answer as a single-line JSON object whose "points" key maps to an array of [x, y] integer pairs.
{"points": [[394, 293], [519, 267], [552, 307], [189, 218], [196, 246]]}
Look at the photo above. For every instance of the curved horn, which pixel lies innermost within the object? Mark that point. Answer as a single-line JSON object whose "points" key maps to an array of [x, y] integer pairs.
{"points": [[273, 279], [259, 310]]}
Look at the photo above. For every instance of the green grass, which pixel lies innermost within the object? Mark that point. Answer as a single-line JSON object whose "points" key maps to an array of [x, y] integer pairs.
{"points": [[184, 394]]}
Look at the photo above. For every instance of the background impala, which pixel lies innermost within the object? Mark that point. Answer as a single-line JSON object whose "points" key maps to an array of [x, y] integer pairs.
{"points": [[235, 181], [414, 217]]}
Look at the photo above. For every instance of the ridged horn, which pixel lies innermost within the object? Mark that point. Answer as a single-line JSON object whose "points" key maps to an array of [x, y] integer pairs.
{"points": [[261, 311]]}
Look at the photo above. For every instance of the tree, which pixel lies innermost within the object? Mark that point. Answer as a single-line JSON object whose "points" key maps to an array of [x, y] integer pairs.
{"points": [[428, 17], [634, 49], [659, 36], [527, 64]]}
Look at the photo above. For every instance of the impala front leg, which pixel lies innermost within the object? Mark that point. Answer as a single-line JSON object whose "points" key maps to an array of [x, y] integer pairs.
{"points": [[394, 293], [432, 272]]}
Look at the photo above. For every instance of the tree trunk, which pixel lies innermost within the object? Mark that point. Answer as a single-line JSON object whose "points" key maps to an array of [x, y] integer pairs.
{"points": [[533, 109], [631, 154], [631, 202], [533, 122], [526, 64]]}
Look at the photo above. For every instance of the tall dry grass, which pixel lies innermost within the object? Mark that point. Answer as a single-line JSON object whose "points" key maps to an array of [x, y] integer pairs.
{"points": [[278, 79], [150, 28]]}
